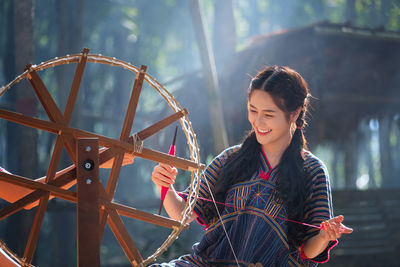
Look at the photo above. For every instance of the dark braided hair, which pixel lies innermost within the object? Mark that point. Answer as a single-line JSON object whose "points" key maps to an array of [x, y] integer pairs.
{"points": [[290, 93]]}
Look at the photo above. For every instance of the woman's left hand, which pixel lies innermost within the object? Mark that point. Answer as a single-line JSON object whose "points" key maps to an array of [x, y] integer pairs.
{"points": [[333, 229]]}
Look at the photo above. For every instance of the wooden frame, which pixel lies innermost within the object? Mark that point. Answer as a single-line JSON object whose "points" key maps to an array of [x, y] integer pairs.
{"points": [[91, 197]]}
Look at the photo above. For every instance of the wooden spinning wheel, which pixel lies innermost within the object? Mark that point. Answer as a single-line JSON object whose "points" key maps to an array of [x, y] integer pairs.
{"points": [[95, 207]]}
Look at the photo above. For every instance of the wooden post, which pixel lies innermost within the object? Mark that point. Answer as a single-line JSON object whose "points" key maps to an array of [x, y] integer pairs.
{"points": [[88, 247]]}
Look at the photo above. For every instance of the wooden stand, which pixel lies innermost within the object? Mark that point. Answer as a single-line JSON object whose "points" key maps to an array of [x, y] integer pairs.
{"points": [[88, 184]]}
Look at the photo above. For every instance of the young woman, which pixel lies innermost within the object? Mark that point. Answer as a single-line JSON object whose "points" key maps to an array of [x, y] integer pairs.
{"points": [[270, 184]]}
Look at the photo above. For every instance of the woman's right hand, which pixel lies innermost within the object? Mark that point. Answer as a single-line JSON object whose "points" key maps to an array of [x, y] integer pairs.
{"points": [[164, 175]]}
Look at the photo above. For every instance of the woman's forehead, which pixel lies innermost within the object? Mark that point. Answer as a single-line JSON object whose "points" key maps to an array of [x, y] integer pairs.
{"points": [[262, 100]]}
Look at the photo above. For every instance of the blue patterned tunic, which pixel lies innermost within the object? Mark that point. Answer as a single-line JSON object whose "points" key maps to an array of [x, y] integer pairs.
{"points": [[253, 219]]}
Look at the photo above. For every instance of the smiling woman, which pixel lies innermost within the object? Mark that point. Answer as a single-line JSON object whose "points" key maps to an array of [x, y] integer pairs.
{"points": [[274, 198]]}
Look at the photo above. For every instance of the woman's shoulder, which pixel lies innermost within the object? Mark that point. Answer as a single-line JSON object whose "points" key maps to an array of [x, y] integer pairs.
{"points": [[313, 165], [227, 152]]}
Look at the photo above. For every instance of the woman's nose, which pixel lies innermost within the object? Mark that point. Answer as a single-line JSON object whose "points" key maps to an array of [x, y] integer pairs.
{"points": [[259, 120]]}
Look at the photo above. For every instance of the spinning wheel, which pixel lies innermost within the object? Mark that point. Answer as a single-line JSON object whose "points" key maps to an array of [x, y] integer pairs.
{"points": [[93, 200]]}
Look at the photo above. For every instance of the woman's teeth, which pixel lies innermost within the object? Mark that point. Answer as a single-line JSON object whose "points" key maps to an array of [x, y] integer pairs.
{"points": [[264, 132]]}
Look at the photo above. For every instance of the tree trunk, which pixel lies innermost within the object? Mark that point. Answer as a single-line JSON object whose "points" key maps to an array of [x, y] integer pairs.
{"points": [[9, 74], [351, 12], [385, 152], [224, 34], [373, 14], [384, 14], [350, 162], [254, 19], [334, 180], [18, 226], [369, 159], [210, 76]]}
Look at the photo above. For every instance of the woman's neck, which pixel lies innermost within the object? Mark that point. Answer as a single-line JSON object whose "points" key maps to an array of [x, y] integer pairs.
{"points": [[274, 152]]}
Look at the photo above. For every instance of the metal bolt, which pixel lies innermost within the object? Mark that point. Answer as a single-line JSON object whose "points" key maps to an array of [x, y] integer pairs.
{"points": [[88, 181], [88, 165], [88, 149]]}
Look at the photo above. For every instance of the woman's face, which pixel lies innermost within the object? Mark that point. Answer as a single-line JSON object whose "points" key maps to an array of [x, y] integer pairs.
{"points": [[269, 122]]}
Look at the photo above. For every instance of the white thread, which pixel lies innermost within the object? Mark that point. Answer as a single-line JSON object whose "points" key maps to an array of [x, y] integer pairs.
{"points": [[222, 223]]}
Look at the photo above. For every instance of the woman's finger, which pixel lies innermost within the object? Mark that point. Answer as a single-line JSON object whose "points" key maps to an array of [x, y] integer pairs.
{"points": [[167, 170], [344, 229], [159, 176], [328, 230], [164, 178], [161, 180]]}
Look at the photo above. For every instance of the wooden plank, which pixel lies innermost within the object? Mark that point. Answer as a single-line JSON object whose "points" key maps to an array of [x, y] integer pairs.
{"points": [[143, 216], [75, 85], [133, 102], [149, 131], [44, 96], [55, 159], [161, 157], [28, 183], [114, 174], [29, 121], [20, 204], [88, 184], [118, 228], [63, 177], [51, 109], [35, 229]]}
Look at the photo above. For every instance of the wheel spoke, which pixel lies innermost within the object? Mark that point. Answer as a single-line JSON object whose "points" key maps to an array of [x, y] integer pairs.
{"points": [[28, 183], [111, 185], [52, 111], [132, 106], [62, 178], [69, 107], [144, 216], [149, 131], [118, 228], [30, 122], [35, 229]]}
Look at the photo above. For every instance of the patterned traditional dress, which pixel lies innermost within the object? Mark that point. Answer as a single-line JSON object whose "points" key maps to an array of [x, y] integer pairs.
{"points": [[252, 219]]}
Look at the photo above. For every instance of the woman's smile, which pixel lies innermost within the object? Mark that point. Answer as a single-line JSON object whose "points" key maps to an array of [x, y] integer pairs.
{"points": [[262, 132]]}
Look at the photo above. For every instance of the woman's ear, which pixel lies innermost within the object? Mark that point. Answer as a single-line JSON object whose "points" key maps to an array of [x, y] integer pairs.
{"points": [[295, 115]]}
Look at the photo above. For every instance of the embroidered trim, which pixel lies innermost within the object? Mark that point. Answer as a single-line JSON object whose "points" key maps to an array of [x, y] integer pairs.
{"points": [[330, 246]]}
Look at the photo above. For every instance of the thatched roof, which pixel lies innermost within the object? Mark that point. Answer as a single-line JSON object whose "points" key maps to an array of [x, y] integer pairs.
{"points": [[353, 72]]}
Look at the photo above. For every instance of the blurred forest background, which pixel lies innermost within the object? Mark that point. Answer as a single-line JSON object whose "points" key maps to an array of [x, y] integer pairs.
{"points": [[348, 51]]}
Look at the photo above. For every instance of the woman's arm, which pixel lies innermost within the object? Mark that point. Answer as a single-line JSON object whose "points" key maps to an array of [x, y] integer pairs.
{"points": [[330, 231], [164, 175]]}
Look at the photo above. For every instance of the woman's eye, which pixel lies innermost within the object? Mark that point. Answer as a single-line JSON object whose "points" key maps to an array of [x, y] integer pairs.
{"points": [[268, 115], [252, 111]]}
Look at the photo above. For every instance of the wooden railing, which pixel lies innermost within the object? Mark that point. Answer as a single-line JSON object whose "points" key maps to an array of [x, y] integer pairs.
{"points": [[374, 215]]}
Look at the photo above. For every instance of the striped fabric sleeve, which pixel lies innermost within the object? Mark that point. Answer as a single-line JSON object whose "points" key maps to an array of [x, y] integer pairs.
{"points": [[319, 203], [209, 175]]}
